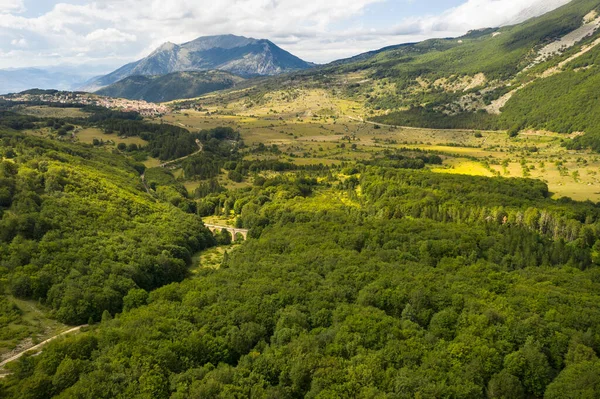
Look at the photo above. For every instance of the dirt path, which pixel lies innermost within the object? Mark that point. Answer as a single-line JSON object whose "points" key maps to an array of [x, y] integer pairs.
{"points": [[38, 346], [371, 123], [143, 178], [419, 128], [198, 143]]}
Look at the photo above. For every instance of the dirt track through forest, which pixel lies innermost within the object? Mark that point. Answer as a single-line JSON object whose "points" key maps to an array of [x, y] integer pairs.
{"points": [[38, 346]]}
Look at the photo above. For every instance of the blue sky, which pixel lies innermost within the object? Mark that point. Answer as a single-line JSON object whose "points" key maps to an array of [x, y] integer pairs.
{"points": [[103, 34]]}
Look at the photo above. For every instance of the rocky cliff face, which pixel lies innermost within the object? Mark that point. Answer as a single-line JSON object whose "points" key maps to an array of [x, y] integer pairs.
{"points": [[242, 56]]}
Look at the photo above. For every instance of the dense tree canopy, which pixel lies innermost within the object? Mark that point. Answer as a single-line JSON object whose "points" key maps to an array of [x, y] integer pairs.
{"points": [[77, 232], [378, 282]]}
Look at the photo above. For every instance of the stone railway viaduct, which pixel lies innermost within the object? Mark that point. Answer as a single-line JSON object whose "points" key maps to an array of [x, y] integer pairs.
{"points": [[232, 230]]}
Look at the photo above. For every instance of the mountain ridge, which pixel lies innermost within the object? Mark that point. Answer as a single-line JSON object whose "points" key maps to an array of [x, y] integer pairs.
{"points": [[246, 57]]}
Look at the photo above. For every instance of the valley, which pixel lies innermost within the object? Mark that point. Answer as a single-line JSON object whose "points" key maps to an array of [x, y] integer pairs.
{"points": [[317, 127], [420, 221]]}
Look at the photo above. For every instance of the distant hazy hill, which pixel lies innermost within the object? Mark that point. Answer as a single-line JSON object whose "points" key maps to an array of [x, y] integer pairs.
{"points": [[19, 79], [171, 86], [239, 55]]}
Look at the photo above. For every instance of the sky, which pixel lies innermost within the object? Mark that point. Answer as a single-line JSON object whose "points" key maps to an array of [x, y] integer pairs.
{"points": [[104, 34]]}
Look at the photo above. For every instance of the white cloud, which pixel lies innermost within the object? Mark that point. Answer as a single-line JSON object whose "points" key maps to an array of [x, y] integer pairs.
{"points": [[22, 42], [472, 14], [118, 31], [12, 6], [110, 35]]}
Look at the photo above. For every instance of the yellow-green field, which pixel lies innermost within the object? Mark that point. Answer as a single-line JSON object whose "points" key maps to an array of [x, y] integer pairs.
{"points": [[320, 127], [88, 135], [191, 185], [43, 111], [462, 167], [211, 258], [152, 162]]}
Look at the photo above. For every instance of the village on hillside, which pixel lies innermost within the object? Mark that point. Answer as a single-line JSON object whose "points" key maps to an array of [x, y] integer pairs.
{"points": [[144, 108]]}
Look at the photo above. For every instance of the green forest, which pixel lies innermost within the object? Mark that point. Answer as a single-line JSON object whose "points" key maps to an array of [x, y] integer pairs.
{"points": [[77, 232], [372, 267], [375, 279], [165, 142]]}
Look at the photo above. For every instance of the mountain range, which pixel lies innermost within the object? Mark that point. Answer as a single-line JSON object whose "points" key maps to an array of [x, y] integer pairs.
{"points": [[239, 55], [15, 80], [242, 56]]}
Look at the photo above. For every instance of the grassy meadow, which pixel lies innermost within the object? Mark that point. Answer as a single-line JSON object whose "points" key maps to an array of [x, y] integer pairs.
{"points": [[317, 126], [311, 126]]}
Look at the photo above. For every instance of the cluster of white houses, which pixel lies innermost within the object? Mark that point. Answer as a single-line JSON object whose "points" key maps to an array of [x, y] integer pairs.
{"points": [[145, 108]]}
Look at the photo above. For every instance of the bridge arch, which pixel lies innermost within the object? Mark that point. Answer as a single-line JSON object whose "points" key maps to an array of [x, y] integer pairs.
{"points": [[234, 231]]}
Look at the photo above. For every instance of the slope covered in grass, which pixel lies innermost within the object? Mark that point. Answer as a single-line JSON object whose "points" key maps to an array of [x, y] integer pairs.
{"points": [[178, 85]]}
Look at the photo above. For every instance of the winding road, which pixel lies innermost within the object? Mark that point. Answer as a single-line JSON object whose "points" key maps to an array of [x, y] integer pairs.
{"points": [[369, 122]]}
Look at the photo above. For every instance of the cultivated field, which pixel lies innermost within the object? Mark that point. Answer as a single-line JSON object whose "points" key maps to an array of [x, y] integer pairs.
{"points": [[319, 127], [44, 111], [88, 135]]}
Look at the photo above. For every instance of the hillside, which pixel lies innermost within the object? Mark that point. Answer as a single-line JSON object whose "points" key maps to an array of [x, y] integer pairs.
{"points": [[422, 221], [540, 74], [242, 56], [78, 231], [177, 85], [537, 75]]}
